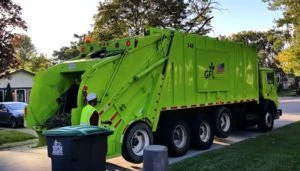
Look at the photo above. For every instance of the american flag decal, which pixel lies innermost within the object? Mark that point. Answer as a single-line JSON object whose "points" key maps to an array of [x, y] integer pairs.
{"points": [[220, 68]]}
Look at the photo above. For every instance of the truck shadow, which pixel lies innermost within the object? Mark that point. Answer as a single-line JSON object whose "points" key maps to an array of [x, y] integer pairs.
{"points": [[114, 167]]}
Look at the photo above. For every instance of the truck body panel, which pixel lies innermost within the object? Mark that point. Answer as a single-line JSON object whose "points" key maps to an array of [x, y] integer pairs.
{"points": [[202, 71], [137, 79]]}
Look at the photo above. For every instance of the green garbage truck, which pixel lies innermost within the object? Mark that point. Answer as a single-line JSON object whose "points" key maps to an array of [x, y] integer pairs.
{"points": [[165, 87]]}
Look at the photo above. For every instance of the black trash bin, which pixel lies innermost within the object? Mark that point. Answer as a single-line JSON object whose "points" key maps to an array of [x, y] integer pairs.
{"points": [[77, 148]]}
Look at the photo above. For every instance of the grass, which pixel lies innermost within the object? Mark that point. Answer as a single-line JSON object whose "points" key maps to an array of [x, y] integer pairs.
{"points": [[287, 93], [10, 136], [277, 150]]}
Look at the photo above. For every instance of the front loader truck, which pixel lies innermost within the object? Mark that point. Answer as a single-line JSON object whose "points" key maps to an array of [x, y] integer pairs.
{"points": [[165, 87]]}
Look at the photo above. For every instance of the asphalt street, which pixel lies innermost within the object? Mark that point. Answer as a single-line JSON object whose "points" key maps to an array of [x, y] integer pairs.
{"points": [[24, 158]]}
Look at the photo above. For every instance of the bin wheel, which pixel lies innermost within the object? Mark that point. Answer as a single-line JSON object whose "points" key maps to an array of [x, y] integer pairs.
{"points": [[223, 122], [202, 133], [136, 139]]}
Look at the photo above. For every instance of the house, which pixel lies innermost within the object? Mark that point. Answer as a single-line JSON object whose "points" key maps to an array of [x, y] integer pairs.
{"points": [[21, 84]]}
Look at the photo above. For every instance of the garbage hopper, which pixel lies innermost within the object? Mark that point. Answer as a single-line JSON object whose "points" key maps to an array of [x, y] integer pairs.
{"points": [[77, 148]]}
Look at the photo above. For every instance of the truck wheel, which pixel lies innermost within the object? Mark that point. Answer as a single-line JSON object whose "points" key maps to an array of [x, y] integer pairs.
{"points": [[177, 138], [266, 121], [13, 123], [223, 122], [136, 139], [202, 134]]}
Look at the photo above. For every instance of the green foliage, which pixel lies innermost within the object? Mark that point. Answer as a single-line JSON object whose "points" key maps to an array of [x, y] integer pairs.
{"points": [[8, 94], [27, 55], [25, 49], [10, 19], [11, 136], [65, 53], [268, 44], [291, 92], [290, 59], [291, 22], [119, 18], [39, 63], [278, 150], [291, 12]]}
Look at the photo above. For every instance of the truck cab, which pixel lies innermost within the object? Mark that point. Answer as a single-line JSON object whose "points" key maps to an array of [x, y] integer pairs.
{"points": [[268, 85], [268, 90]]}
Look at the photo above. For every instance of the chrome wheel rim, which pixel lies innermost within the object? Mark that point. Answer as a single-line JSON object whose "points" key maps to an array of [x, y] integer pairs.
{"points": [[139, 141], [225, 122], [179, 136], [204, 131], [268, 119]]}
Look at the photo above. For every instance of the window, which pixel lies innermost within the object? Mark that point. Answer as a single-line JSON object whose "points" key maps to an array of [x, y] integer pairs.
{"points": [[20, 95], [270, 78]]}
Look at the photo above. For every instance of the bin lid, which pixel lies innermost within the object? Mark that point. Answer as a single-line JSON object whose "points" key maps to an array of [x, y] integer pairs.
{"points": [[77, 131]]}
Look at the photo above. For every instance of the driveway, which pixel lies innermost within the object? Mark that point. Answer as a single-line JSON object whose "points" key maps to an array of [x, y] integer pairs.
{"points": [[28, 159]]}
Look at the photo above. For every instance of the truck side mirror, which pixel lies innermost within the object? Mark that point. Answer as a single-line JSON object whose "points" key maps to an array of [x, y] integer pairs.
{"points": [[277, 81]]}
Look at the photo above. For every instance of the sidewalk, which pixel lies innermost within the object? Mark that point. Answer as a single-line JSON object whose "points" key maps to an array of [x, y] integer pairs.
{"points": [[25, 158]]}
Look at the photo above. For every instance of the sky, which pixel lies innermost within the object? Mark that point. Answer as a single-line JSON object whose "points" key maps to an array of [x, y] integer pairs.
{"points": [[52, 23]]}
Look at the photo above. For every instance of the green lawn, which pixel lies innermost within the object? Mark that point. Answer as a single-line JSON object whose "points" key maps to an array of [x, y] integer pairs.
{"points": [[277, 150], [287, 93], [9, 136]]}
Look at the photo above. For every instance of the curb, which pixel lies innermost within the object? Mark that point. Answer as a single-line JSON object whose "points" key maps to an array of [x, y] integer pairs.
{"points": [[21, 143]]}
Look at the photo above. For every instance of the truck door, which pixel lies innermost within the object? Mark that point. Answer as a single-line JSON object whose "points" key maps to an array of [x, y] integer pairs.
{"points": [[268, 85]]}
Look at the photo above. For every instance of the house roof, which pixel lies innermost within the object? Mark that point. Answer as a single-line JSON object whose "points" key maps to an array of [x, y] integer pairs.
{"points": [[22, 70]]}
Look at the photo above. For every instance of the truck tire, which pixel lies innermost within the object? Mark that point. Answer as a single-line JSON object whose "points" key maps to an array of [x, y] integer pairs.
{"points": [[266, 120], [202, 133], [136, 139], [223, 122], [176, 137]]}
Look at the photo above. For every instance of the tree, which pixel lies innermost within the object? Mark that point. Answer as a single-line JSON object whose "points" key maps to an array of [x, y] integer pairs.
{"points": [[199, 16], [289, 60], [8, 94], [65, 53], [25, 49], [291, 14], [39, 63], [268, 44], [291, 21], [10, 19], [118, 18]]}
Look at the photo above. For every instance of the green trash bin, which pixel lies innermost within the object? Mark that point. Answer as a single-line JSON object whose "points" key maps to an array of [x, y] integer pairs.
{"points": [[77, 148]]}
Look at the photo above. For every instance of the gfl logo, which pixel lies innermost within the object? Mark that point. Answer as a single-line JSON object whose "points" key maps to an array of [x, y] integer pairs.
{"points": [[210, 72]]}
